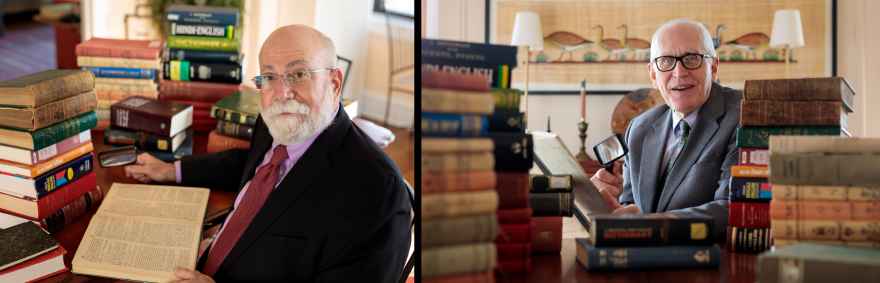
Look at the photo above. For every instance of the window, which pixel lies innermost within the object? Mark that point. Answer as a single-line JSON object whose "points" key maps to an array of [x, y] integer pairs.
{"points": [[401, 8]]}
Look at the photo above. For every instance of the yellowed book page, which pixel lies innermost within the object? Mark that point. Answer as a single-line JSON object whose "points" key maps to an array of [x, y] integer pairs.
{"points": [[142, 232]]}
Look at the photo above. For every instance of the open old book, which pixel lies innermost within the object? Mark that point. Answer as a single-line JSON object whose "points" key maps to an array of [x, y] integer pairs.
{"points": [[142, 232]]}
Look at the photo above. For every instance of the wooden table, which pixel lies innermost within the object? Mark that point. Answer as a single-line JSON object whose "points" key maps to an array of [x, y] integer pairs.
{"points": [[735, 267]]}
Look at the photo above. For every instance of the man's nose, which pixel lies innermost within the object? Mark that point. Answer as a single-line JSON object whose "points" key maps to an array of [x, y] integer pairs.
{"points": [[680, 70]]}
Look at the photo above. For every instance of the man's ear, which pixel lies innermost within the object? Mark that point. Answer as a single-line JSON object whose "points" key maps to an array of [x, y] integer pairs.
{"points": [[653, 75], [715, 69], [336, 78]]}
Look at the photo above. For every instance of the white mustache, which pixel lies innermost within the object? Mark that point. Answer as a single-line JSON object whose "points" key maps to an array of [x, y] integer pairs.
{"points": [[288, 106]]}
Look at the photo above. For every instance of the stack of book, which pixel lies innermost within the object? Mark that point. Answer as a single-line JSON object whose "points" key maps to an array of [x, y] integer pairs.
{"points": [[826, 190], [459, 200], [812, 263], [29, 254], [201, 63], [550, 197], [236, 116], [123, 68], [814, 106], [46, 157], [659, 240], [161, 128]]}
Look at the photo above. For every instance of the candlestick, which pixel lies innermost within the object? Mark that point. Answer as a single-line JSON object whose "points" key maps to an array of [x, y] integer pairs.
{"points": [[584, 100], [582, 133]]}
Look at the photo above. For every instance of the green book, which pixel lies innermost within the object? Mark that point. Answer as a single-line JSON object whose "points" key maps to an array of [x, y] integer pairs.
{"points": [[760, 136], [36, 140], [806, 263], [507, 98], [203, 43], [240, 107]]}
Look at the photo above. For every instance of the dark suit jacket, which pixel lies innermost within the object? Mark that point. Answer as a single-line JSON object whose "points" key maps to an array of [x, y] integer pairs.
{"points": [[698, 182], [341, 214]]}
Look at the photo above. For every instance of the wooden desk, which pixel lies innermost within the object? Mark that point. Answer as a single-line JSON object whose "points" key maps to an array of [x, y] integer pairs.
{"points": [[735, 267]]}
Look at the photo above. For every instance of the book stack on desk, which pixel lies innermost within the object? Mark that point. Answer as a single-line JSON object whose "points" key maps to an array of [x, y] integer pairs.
{"points": [[160, 128], [123, 68], [826, 190], [29, 254], [550, 197], [236, 116], [659, 240], [201, 62], [459, 200], [46, 151]]}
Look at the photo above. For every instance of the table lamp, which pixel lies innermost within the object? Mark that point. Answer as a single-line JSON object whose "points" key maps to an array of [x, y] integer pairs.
{"points": [[787, 33], [527, 31]]}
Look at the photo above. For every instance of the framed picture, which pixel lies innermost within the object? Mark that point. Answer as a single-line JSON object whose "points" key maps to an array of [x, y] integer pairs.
{"points": [[344, 64], [607, 43]]}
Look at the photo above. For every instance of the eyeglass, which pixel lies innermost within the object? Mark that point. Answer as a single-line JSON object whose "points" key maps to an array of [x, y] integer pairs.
{"points": [[690, 61], [270, 81]]}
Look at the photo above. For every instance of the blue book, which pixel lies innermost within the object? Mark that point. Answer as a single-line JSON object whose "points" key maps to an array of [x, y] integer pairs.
{"points": [[202, 15], [495, 62], [750, 189], [122, 73], [48, 182], [626, 258], [454, 125]]}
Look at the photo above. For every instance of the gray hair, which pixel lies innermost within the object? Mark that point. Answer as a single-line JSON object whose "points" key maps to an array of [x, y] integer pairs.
{"points": [[708, 45]]}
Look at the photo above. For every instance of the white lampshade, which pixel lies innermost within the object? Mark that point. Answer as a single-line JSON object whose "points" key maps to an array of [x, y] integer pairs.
{"points": [[787, 29], [527, 31]]}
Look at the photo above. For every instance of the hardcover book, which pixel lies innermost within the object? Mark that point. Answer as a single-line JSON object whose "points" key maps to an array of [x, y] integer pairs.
{"points": [[144, 140], [635, 258], [494, 62], [192, 14], [47, 86], [42, 116], [808, 263], [651, 230], [119, 48], [163, 118], [814, 89], [204, 72], [41, 138], [202, 56], [241, 107]]}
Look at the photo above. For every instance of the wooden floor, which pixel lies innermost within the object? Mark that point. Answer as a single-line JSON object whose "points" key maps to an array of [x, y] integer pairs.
{"points": [[27, 47]]}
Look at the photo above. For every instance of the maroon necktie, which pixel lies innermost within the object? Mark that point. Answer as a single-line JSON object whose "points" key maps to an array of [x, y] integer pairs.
{"points": [[258, 191]]}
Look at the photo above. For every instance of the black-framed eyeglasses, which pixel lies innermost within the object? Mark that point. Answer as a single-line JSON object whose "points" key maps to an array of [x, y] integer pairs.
{"points": [[690, 61]]}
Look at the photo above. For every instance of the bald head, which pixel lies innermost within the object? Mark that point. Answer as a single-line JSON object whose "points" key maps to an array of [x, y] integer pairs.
{"points": [[299, 41]]}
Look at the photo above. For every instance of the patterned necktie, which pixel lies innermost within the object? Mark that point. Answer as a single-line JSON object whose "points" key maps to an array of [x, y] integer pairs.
{"points": [[258, 191], [679, 147]]}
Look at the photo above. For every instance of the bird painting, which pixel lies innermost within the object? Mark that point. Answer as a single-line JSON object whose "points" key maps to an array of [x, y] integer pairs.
{"points": [[568, 42], [749, 42], [613, 46], [640, 47]]}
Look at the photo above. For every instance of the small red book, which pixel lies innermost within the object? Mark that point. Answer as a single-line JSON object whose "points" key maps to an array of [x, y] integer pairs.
{"points": [[513, 189], [515, 233], [514, 215], [513, 250], [547, 235], [749, 215]]}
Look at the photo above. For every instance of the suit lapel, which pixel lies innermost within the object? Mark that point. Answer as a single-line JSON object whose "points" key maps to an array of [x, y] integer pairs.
{"points": [[304, 173], [651, 158], [707, 126]]}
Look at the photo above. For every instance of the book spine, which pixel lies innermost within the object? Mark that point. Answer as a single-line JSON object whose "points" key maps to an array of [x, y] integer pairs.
{"points": [[514, 250], [89, 61], [752, 240], [70, 155], [66, 145], [507, 99], [63, 175], [507, 121], [454, 101], [458, 259], [457, 162], [206, 30], [498, 75], [218, 143], [754, 156], [746, 171], [806, 229], [457, 52], [459, 230], [122, 73], [547, 234], [825, 169], [513, 152], [195, 91], [233, 116], [513, 190], [458, 182], [453, 125], [202, 43], [64, 109], [202, 17], [802, 192], [86, 49], [106, 98], [118, 81], [448, 80], [127, 88], [804, 268], [514, 215], [56, 89], [551, 204], [515, 265], [749, 215], [143, 140], [812, 89], [51, 203], [459, 204], [73, 210], [651, 231], [551, 183], [622, 258], [515, 233], [750, 189], [50, 135], [204, 72], [202, 56], [824, 210], [759, 137], [130, 118], [783, 113], [235, 130]]}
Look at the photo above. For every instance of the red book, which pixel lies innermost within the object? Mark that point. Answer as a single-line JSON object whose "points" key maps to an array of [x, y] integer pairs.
{"points": [[749, 215], [218, 142], [120, 48], [448, 80], [515, 233], [754, 156], [513, 250], [518, 265], [43, 266], [514, 216], [195, 91], [50, 203], [483, 277], [163, 118], [547, 235], [513, 189]]}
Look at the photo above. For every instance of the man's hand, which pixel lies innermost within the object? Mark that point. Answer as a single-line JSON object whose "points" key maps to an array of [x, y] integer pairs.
{"points": [[188, 275], [150, 169], [610, 184], [627, 209]]}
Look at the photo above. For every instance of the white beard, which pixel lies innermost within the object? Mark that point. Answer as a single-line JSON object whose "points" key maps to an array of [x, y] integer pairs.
{"points": [[292, 130]]}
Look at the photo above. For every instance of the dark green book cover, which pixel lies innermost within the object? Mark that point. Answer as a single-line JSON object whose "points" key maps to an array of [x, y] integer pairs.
{"points": [[241, 107], [22, 242]]}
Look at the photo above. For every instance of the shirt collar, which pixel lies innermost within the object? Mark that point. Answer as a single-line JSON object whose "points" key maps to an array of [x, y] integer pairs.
{"points": [[690, 118]]}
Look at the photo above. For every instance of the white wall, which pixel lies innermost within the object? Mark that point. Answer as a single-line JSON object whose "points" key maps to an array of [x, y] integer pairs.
{"points": [[343, 21]]}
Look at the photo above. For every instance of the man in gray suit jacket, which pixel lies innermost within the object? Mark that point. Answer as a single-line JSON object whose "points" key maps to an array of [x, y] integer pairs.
{"points": [[681, 152]]}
